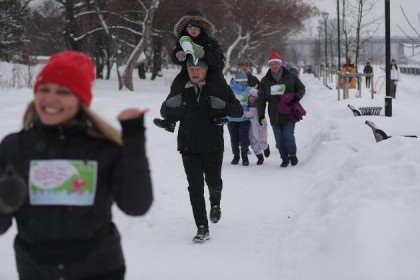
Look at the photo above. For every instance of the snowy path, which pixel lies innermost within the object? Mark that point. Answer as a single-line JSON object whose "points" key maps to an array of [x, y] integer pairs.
{"points": [[259, 203], [276, 221]]}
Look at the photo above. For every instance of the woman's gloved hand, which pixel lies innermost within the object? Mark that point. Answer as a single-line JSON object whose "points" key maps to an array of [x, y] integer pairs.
{"points": [[13, 191]]}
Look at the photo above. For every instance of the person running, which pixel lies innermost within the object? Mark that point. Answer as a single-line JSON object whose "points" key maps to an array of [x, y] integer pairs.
{"points": [[239, 127], [279, 85], [61, 174], [257, 133], [245, 67], [200, 139]]}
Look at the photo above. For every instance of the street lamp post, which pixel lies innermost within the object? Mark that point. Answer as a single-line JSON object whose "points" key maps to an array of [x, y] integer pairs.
{"points": [[338, 30], [388, 98], [325, 16], [319, 45]]}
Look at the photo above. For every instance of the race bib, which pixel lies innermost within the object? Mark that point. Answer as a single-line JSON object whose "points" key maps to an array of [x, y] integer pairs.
{"points": [[278, 89], [62, 182], [243, 99]]}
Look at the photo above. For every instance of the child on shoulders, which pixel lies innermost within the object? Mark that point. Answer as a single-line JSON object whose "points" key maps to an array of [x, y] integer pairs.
{"points": [[199, 31]]}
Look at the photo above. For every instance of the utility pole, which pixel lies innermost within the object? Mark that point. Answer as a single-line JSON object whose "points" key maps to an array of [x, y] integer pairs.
{"points": [[325, 16], [338, 38], [319, 45], [388, 98]]}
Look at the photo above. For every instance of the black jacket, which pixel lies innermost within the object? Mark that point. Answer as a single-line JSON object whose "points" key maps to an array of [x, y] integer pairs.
{"points": [[198, 132], [77, 234], [293, 85], [213, 53], [252, 80], [368, 69]]}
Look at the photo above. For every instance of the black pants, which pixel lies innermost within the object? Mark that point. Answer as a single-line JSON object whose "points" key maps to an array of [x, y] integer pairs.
{"points": [[368, 82], [239, 136], [200, 168], [114, 275], [393, 88]]}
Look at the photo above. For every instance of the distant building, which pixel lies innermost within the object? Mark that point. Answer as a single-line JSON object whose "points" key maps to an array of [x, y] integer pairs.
{"points": [[311, 50]]}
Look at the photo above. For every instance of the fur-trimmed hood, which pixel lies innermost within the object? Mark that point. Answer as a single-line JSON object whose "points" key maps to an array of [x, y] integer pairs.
{"points": [[193, 17]]}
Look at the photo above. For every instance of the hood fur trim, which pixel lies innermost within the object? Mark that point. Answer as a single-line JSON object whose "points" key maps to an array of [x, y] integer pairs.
{"points": [[206, 25]]}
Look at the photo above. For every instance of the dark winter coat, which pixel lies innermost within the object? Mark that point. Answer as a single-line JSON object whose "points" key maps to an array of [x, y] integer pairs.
{"points": [[82, 238], [198, 132], [252, 80], [368, 69], [213, 53], [292, 84]]}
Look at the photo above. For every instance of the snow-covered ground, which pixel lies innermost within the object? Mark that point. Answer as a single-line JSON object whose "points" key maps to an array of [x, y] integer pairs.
{"points": [[349, 210]]}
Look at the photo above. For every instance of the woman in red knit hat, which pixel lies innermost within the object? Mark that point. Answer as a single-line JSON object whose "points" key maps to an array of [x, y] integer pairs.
{"points": [[60, 175]]}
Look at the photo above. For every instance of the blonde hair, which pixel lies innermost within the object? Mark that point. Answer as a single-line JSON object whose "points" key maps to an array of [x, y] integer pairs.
{"points": [[97, 127]]}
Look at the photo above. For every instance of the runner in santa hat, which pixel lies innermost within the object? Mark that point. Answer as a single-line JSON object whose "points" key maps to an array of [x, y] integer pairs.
{"points": [[279, 85]]}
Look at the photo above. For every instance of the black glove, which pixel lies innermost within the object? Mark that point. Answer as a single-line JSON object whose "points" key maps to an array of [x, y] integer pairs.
{"points": [[220, 121], [260, 119], [174, 102], [216, 102], [13, 191], [295, 98]]}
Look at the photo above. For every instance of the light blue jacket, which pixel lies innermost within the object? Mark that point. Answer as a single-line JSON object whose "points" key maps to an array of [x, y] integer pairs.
{"points": [[241, 93]]}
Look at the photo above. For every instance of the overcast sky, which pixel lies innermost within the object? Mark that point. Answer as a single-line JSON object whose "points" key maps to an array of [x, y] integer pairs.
{"points": [[411, 8]]}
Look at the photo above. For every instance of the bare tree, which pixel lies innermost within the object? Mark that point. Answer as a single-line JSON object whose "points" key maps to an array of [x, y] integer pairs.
{"points": [[415, 42], [364, 27], [13, 13], [357, 27], [146, 25], [253, 37]]}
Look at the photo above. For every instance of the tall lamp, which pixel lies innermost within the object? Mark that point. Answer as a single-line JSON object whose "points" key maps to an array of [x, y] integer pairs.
{"points": [[319, 44], [338, 35], [325, 17]]}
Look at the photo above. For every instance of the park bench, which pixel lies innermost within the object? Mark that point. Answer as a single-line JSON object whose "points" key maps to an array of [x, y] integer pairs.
{"points": [[365, 111], [380, 134]]}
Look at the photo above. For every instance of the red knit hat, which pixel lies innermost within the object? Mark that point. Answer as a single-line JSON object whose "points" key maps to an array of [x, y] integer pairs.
{"points": [[348, 60], [274, 57], [70, 69]]}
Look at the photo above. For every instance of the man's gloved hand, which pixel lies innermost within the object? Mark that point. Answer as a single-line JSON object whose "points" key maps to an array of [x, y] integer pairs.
{"points": [[260, 119], [174, 102], [199, 53], [220, 121], [295, 98], [180, 55], [13, 191], [216, 102]]}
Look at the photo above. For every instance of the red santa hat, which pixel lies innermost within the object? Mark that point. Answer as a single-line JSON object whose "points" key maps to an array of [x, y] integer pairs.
{"points": [[70, 69], [274, 57]]}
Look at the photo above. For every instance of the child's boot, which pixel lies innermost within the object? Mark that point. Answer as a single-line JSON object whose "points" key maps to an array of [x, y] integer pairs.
{"points": [[260, 159], [165, 124], [267, 151]]}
